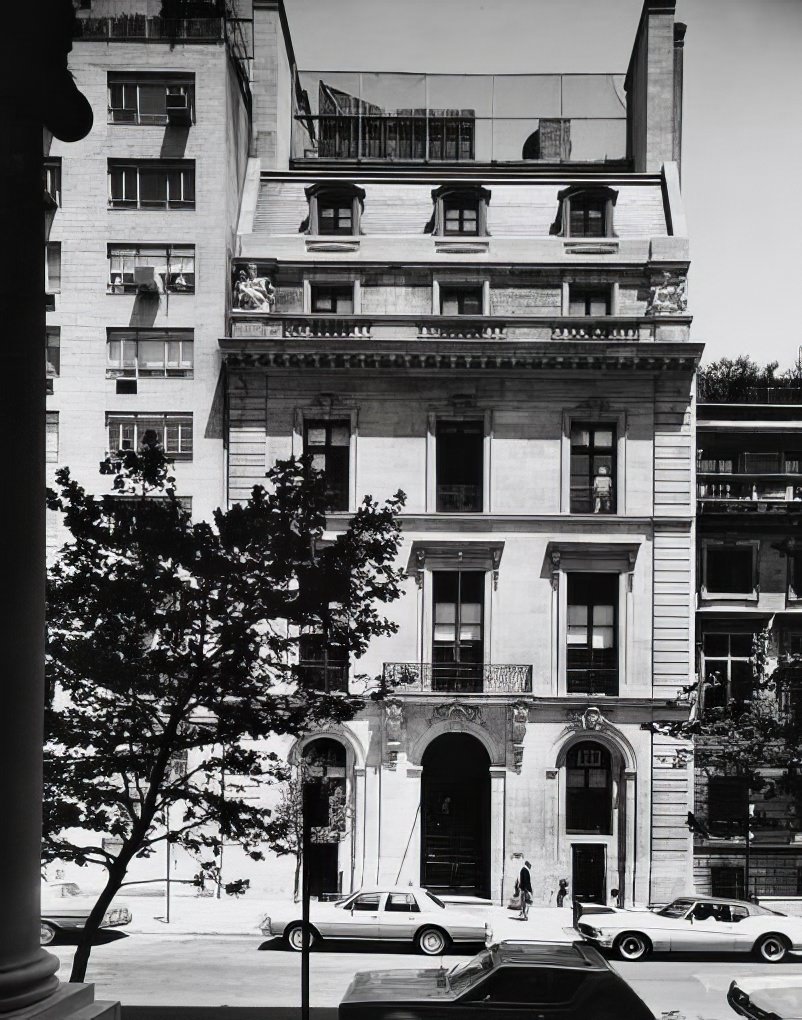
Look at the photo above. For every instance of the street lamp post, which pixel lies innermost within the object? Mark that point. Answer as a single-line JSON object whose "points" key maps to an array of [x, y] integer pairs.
{"points": [[306, 842]]}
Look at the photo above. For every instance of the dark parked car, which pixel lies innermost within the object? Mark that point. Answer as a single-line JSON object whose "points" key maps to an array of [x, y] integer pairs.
{"points": [[536, 980], [759, 998]]}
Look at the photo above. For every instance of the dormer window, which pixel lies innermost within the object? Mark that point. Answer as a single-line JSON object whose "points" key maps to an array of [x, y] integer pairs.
{"points": [[334, 210], [459, 212], [585, 213]]}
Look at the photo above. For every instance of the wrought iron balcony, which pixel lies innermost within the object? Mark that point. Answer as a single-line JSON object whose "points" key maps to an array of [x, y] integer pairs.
{"points": [[457, 499], [592, 671], [458, 678], [142, 28]]}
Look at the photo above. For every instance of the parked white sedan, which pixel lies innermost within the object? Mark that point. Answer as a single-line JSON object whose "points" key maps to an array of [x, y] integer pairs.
{"points": [[402, 914], [694, 924], [66, 908]]}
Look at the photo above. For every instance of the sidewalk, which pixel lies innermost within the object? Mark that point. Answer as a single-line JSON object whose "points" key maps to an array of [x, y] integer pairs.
{"points": [[200, 915]]}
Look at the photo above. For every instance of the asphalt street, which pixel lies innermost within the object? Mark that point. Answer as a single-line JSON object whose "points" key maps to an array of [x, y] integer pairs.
{"points": [[235, 970]]}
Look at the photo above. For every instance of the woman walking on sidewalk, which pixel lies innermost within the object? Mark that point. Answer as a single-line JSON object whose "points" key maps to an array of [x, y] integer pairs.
{"points": [[525, 885]]}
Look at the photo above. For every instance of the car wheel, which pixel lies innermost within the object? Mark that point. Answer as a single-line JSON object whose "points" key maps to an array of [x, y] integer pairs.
{"points": [[632, 946], [772, 948], [47, 933], [431, 941], [295, 937]]}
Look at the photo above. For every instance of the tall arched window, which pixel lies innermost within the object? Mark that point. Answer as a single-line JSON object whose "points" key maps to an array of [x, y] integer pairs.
{"points": [[588, 789]]}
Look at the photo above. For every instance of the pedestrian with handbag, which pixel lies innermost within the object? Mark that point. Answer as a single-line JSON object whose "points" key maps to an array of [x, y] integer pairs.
{"points": [[525, 886]]}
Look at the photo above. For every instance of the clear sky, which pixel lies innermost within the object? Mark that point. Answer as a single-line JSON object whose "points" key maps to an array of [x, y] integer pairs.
{"points": [[742, 121]]}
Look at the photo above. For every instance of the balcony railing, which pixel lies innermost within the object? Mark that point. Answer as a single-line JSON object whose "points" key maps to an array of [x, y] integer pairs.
{"points": [[592, 671], [460, 328], [141, 28], [456, 499], [326, 327], [441, 118], [458, 678], [317, 676], [755, 492], [488, 328]]}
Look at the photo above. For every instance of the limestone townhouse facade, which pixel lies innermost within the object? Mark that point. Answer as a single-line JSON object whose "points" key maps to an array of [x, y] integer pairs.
{"points": [[469, 287]]}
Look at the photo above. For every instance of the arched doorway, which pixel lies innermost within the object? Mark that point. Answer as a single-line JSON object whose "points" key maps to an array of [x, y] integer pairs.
{"points": [[589, 813], [324, 764], [455, 814]]}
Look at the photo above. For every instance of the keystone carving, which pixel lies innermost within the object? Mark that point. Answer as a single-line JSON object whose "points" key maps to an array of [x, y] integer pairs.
{"points": [[668, 296], [458, 711], [590, 719]]}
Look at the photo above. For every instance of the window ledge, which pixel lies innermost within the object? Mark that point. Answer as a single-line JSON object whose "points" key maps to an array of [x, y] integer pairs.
{"points": [[597, 246], [459, 246], [332, 243], [718, 596]]}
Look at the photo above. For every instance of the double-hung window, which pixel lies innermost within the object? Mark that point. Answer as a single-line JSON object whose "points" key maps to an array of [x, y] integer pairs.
{"points": [[151, 184], [52, 178], [143, 353], [53, 351], [150, 98], [588, 300], [727, 668], [171, 266], [332, 300], [461, 300], [173, 430], [592, 633], [459, 211], [593, 469], [328, 443]]}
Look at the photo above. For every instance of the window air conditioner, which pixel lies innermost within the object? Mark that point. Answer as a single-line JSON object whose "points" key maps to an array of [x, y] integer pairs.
{"points": [[146, 280], [178, 111]]}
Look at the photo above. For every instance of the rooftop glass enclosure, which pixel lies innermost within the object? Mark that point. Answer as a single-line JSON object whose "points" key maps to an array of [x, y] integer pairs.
{"points": [[459, 118]]}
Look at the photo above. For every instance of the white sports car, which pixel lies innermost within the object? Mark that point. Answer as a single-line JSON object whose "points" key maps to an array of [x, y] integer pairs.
{"points": [[402, 914], [694, 924]]}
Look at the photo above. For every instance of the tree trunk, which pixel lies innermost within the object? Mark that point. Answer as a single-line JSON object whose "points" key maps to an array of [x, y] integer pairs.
{"points": [[92, 926]]}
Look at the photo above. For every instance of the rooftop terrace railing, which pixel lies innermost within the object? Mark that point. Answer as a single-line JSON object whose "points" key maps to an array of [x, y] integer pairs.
{"points": [[142, 28], [470, 118]]}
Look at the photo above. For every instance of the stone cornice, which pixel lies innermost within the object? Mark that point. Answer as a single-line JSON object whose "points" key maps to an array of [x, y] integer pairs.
{"points": [[461, 355]]}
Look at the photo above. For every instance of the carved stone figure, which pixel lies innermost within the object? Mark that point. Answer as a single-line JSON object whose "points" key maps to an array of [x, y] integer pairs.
{"points": [[520, 717], [394, 720], [253, 293], [669, 296]]}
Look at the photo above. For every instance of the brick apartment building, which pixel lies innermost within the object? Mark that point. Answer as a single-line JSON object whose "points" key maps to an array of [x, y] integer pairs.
{"points": [[469, 287]]}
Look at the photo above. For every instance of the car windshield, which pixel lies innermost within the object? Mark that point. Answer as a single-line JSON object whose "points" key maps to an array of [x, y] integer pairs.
{"points": [[434, 899], [464, 974], [676, 909]]}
